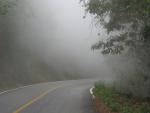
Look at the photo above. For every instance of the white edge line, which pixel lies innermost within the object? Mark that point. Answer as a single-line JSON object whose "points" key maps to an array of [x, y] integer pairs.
{"points": [[14, 89], [91, 92]]}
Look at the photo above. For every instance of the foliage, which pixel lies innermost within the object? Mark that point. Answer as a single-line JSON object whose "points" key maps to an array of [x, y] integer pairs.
{"points": [[130, 18], [5, 5], [118, 102], [127, 23]]}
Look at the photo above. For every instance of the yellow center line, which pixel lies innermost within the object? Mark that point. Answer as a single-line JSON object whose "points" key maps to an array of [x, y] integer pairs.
{"points": [[33, 100]]}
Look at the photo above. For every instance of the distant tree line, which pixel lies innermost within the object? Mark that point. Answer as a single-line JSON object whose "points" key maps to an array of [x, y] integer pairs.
{"points": [[19, 65]]}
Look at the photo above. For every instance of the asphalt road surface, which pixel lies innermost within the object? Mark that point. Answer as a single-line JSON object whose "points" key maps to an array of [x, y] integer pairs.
{"points": [[52, 97]]}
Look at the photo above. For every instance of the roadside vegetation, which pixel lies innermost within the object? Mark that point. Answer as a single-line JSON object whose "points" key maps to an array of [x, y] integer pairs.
{"points": [[116, 102], [127, 25]]}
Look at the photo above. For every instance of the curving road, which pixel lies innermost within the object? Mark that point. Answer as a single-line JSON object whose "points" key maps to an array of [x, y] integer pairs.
{"points": [[52, 97]]}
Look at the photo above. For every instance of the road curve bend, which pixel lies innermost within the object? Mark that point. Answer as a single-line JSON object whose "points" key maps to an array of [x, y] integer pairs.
{"points": [[54, 97]]}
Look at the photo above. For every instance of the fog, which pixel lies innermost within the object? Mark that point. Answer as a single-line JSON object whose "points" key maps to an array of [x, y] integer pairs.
{"points": [[56, 31]]}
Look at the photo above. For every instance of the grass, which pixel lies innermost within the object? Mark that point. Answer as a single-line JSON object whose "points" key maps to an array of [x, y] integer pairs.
{"points": [[120, 103]]}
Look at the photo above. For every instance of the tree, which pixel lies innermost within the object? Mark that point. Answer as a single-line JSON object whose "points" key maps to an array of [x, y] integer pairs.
{"points": [[131, 19], [5, 6], [127, 23]]}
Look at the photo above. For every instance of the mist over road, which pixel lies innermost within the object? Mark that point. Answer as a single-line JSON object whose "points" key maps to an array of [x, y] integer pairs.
{"points": [[52, 97], [48, 40]]}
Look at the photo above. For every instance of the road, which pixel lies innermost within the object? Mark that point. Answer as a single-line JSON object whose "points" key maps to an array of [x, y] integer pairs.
{"points": [[52, 97]]}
